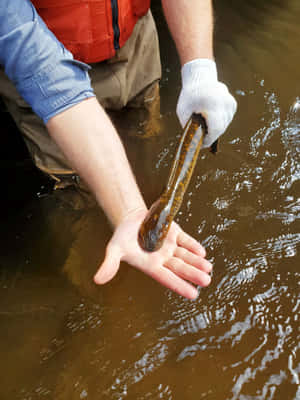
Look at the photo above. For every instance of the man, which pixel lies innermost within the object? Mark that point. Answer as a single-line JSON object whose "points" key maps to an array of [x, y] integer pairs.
{"points": [[56, 86]]}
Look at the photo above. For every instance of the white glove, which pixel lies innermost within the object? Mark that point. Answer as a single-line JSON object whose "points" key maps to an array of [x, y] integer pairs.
{"points": [[202, 93]]}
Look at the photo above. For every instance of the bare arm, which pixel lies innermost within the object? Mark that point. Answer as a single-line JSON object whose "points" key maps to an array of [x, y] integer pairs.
{"points": [[191, 26], [90, 142]]}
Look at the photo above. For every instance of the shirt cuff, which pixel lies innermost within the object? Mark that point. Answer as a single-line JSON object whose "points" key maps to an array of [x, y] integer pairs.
{"points": [[57, 87], [76, 100]]}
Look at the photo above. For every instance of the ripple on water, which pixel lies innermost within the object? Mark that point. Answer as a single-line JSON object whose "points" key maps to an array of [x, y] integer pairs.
{"points": [[240, 339]]}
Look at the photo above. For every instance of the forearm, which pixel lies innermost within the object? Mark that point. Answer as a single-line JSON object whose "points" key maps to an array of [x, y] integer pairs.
{"points": [[191, 26], [88, 139]]}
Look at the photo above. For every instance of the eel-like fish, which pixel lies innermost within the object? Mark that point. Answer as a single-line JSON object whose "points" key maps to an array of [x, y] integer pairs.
{"points": [[157, 222]]}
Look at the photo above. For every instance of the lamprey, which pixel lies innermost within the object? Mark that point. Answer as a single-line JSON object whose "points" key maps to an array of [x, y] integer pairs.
{"points": [[157, 222]]}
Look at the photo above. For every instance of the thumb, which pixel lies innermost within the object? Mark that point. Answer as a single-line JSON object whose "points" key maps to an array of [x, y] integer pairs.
{"points": [[109, 267], [182, 111]]}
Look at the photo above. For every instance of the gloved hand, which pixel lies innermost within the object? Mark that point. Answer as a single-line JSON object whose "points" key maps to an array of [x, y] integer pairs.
{"points": [[202, 93]]}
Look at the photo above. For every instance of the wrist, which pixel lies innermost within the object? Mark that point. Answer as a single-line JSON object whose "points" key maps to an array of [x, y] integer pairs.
{"points": [[129, 215], [135, 212], [199, 69], [120, 208]]}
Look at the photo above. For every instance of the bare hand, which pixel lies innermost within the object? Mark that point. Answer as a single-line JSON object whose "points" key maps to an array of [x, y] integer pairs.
{"points": [[180, 260]]}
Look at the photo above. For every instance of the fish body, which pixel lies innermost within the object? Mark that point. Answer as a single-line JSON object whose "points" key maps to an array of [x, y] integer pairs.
{"points": [[157, 222]]}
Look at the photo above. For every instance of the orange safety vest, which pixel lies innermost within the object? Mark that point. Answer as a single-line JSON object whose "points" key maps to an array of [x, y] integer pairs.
{"points": [[91, 29]]}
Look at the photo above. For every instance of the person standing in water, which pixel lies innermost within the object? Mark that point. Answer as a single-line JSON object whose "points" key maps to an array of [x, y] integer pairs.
{"points": [[64, 63]]}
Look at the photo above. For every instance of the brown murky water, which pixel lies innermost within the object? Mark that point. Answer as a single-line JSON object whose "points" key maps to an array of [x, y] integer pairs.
{"points": [[64, 338]]}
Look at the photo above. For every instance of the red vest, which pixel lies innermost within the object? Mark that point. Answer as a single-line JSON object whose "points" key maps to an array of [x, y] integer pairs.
{"points": [[91, 29]]}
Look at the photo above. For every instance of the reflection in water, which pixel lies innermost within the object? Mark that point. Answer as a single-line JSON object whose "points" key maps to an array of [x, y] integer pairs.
{"points": [[64, 338]]}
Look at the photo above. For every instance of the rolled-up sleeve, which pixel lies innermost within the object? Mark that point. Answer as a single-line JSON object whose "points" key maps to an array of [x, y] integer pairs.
{"points": [[44, 72]]}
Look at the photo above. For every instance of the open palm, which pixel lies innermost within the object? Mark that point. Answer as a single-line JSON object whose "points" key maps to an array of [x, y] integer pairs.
{"points": [[178, 264]]}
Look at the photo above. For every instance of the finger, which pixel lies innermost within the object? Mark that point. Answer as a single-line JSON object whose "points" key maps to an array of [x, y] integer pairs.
{"points": [[109, 267], [193, 259], [188, 272], [186, 241], [170, 280]]}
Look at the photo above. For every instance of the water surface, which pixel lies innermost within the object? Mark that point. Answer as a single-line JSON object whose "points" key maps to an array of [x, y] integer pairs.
{"points": [[64, 338]]}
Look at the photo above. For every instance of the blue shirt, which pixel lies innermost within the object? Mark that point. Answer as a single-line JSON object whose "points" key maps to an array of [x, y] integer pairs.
{"points": [[42, 69]]}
